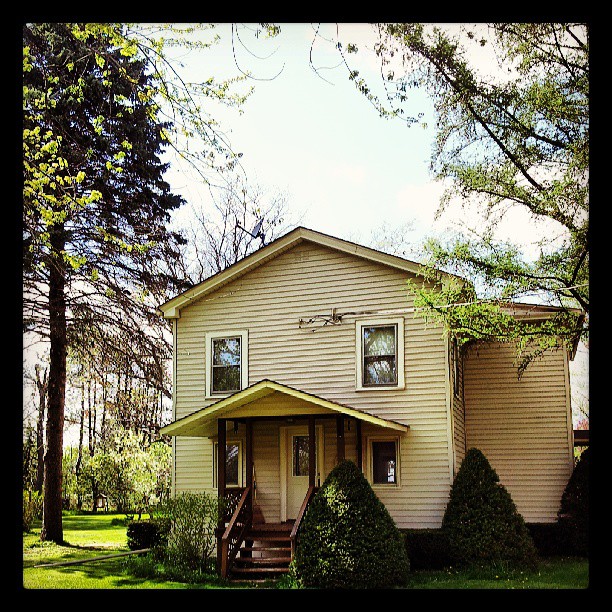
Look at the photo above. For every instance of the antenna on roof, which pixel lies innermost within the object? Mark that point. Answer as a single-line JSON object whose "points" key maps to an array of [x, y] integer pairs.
{"points": [[256, 232]]}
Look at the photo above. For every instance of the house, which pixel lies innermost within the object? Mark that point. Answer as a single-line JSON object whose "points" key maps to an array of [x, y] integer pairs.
{"points": [[309, 351]]}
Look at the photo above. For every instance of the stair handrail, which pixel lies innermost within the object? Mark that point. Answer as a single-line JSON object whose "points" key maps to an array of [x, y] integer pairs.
{"points": [[298, 521], [233, 535]]}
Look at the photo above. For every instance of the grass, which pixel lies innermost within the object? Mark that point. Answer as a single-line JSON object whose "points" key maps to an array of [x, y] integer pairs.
{"points": [[552, 573], [94, 535], [86, 536]]}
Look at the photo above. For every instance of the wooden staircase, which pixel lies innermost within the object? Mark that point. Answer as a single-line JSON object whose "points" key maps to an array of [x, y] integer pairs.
{"points": [[265, 553]]}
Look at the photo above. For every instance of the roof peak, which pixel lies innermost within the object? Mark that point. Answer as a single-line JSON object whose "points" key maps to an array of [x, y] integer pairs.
{"points": [[171, 308]]}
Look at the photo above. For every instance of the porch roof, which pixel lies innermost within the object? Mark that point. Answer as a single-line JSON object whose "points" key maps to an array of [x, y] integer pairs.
{"points": [[203, 423]]}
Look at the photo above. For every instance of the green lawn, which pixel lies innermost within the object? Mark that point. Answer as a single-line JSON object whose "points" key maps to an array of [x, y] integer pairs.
{"points": [[86, 536], [552, 573], [93, 535]]}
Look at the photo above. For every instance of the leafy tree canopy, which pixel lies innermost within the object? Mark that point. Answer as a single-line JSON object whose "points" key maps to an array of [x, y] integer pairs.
{"points": [[517, 136], [101, 104]]}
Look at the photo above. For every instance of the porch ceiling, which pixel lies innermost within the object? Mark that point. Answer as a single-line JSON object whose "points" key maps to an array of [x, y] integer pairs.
{"points": [[266, 399]]}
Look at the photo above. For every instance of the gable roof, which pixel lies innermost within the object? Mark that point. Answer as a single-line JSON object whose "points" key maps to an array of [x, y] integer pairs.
{"points": [[203, 422], [171, 309]]}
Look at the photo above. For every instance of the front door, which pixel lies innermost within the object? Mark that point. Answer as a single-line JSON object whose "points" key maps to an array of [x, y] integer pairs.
{"points": [[295, 468]]}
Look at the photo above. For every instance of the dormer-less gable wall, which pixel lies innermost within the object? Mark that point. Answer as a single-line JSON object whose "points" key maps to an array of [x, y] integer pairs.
{"points": [[268, 303]]}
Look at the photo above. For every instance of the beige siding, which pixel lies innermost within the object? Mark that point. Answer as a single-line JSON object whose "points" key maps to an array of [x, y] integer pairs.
{"points": [[522, 426], [269, 302]]}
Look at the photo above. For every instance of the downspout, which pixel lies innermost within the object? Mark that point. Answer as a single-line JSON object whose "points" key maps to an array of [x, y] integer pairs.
{"points": [[174, 387], [449, 413]]}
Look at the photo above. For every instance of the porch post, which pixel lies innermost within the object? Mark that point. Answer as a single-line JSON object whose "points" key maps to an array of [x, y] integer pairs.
{"points": [[249, 476], [311, 452], [249, 453], [340, 437], [221, 459], [359, 445]]}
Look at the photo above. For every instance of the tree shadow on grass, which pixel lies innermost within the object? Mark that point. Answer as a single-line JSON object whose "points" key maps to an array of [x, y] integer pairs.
{"points": [[113, 574]]}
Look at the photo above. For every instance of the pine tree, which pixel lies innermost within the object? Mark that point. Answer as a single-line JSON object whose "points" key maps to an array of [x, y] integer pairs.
{"points": [[96, 209]]}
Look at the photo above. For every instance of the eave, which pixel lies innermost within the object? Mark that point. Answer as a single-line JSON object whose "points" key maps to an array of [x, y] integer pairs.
{"points": [[243, 404]]}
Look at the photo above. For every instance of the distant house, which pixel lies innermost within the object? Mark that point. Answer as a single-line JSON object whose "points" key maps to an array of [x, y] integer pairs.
{"points": [[309, 351]]}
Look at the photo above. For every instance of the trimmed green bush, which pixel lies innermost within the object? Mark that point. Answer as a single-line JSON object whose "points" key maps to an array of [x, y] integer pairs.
{"points": [[427, 549], [481, 520], [574, 511], [348, 539]]}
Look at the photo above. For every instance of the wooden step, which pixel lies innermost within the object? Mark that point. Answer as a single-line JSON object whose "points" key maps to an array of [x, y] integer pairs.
{"points": [[259, 570], [275, 549], [268, 537], [262, 560], [271, 539]]}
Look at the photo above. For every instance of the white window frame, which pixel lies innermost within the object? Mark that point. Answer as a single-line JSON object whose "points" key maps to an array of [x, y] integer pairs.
{"points": [[244, 360], [370, 461], [216, 459], [359, 325]]}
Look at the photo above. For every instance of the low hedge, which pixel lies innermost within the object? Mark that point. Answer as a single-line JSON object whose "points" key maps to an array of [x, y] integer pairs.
{"points": [[143, 534], [549, 539], [427, 548]]}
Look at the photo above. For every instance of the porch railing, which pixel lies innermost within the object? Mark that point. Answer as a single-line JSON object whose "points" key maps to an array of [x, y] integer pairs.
{"points": [[298, 521], [239, 523]]}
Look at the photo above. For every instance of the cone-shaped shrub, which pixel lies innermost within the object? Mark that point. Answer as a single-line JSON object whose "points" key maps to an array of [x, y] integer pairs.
{"points": [[481, 520], [574, 512], [348, 538]]}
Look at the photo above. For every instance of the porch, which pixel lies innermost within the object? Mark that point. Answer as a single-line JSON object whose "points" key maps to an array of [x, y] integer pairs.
{"points": [[292, 439]]}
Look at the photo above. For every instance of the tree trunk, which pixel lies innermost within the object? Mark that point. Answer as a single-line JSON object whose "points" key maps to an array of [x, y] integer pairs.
{"points": [[104, 400], [52, 528], [91, 424], [77, 469], [41, 385]]}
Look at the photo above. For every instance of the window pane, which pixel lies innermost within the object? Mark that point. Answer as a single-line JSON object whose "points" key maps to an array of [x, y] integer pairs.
{"points": [[300, 455], [379, 371], [231, 464], [379, 340], [232, 457], [226, 351], [379, 355], [225, 378], [383, 463]]}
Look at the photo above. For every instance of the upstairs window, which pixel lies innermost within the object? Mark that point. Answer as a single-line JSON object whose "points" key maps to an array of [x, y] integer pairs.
{"points": [[380, 354], [227, 359]]}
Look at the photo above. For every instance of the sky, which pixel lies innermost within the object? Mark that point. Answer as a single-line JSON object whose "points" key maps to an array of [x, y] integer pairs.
{"points": [[345, 170]]}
